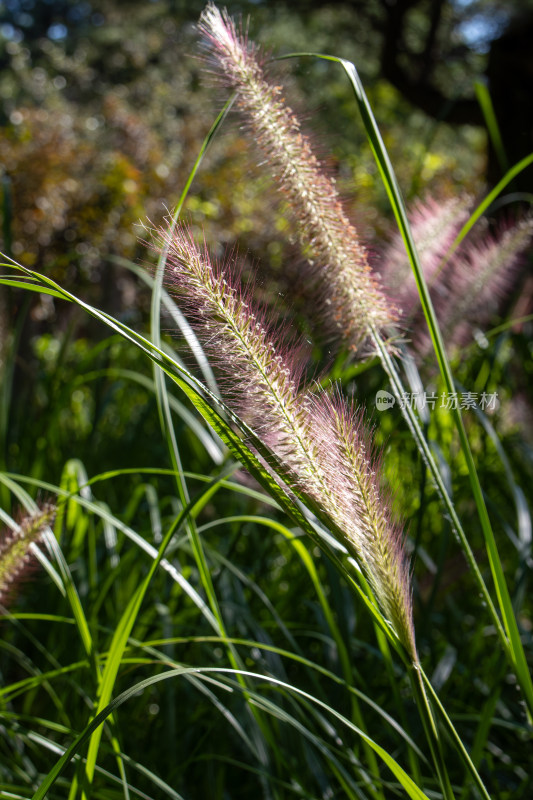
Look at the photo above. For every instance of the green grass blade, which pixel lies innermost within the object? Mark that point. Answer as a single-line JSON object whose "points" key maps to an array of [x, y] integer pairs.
{"points": [[155, 317], [296, 657], [64, 571], [412, 790], [485, 101], [138, 540], [450, 729], [128, 619], [29, 286], [487, 202]]}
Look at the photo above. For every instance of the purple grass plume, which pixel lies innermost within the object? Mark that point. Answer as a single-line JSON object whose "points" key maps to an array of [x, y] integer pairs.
{"points": [[434, 226], [322, 447], [467, 289], [352, 301], [17, 558], [481, 275], [363, 512]]}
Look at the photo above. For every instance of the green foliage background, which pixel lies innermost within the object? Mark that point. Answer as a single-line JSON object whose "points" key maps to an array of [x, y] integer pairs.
{"points": [[100, 130]]}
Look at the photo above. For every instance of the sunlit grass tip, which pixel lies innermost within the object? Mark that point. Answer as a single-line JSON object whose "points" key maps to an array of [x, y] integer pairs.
{"points": [[347, 292]]}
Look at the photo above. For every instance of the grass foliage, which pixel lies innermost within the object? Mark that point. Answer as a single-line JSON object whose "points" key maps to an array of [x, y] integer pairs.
{"points": [[192, 629]]}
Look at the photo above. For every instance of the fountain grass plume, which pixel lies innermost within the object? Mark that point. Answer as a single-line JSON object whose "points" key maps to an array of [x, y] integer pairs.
{"points": [[434, 225], [323, 450], [351, 461], [337, 265], [258, 382], [468, 288], [480, 276], [17, 558]]}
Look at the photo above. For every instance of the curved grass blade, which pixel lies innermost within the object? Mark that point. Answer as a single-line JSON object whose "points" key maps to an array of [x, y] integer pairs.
{"points": [[309, 565], [260, 645], [29, 286], [51, 540], [478, 212], [102, 512], [53, 747], [66, 576], [155, 324], [411, 789], [129, 617], [452, 733]]}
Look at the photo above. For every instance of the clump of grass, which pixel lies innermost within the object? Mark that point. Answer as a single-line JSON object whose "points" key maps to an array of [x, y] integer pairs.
{"points": [[290, 158], [322, 446], [195, 621]]}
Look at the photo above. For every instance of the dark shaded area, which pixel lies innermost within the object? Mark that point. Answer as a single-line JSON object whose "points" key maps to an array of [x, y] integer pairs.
{"points": [[412, 69], [510, 79]]}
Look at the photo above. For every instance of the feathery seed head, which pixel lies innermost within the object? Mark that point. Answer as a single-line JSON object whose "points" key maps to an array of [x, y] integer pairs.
{"points": [[480, 275], [260, 381], [16, 556], [467, 289], [231, 46], [351, 466], [338, 263], [434, 226], [321, 444]]}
